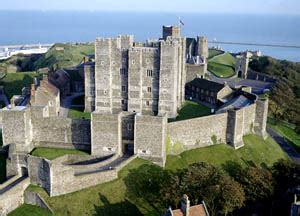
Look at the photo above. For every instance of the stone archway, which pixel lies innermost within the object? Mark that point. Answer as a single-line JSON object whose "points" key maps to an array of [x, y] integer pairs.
{"points": [[24, 171], [240, 74]]}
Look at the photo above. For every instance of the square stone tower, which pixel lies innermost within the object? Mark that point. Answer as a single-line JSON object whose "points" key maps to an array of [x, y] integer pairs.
{"points": [[111, 73]]}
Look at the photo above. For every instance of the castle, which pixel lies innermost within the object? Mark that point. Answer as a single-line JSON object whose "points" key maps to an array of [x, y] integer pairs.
{"points": [[132, 90]]}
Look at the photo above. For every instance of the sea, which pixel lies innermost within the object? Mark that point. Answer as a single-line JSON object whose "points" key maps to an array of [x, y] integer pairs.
{"points": [[33, 27]]}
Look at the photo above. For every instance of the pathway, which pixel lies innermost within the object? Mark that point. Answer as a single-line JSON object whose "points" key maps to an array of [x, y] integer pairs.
{"points": [[291, 152], [257, 86]]}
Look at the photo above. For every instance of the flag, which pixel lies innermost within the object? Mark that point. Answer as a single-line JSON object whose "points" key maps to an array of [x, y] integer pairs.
{"points": [[181, 22]]}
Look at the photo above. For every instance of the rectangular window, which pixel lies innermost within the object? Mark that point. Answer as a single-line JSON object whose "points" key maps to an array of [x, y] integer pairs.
{"points": [[129, 126], [149, 89], [149, 73], [122, 71], [147, 103], [122, 102]]}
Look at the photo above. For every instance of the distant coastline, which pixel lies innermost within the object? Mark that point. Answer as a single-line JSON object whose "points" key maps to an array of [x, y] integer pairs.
{"points": [[33, 27]]}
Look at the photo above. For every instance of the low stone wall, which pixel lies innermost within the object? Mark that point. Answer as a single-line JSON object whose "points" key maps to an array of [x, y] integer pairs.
{"points": [[39, 172], [13, 197], [62, 133], [63, 179], [197, 132], [34, 198]]}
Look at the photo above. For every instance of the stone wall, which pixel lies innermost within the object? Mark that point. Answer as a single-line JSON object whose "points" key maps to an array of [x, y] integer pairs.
{"points": [[197, 132], [149, 142], [34, 198], [13, 197], [195, 71], [17, 128], [89, 89], [106, 134], [39, 172], [261, 117], [62, 133]]}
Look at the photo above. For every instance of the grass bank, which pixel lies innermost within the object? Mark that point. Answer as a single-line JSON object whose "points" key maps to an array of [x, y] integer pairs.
{"points": [[52, 153], [286, 130], [14, 82], [256, 151], [111, 198], [222, 65], [192, 109]]}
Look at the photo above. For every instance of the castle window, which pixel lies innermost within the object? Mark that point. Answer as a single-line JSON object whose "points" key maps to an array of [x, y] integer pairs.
{"points": [[149, 89], [123, 88], [129, 126], [105, 92], [133, 62], [122, 102], [149, 73], [147, 103], [122, 71]]}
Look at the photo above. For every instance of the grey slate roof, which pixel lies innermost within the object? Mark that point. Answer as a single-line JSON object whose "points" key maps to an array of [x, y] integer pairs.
{"points": [[206, 84]]}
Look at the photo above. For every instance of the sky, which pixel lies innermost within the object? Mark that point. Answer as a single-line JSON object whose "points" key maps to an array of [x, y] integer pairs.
{"points": [[202, 6]]}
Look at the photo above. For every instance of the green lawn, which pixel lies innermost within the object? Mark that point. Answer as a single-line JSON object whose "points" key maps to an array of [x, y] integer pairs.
{"points": [[77, 113], [14, 82], [111, 198], [30, 210], [286, 130], [192, 109], [65, 55], [222, 65], [2, 168], [213, 52], [256, 150], [52, 153]]}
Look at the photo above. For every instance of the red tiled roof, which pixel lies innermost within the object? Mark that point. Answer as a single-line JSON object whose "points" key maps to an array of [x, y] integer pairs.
{"points": [[197, 210]]}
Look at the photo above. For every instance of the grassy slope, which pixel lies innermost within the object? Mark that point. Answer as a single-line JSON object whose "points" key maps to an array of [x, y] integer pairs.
{"points": [[52, 153], [287, 130], [222, 65], [14, 82], [71, 55], [110, 198], [213, 52], [77, 113], [255, 150], [30, 210], [192, 109]]}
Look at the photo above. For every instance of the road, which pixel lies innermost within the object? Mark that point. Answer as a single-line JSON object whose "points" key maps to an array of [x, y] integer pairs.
{"points": [[291, 152], [257, 86]]}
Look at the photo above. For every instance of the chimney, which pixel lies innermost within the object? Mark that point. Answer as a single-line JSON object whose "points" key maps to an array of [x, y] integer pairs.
{"points": [[12, 103], [45, 77], [185, 205], [169, 212], [32, 93]]}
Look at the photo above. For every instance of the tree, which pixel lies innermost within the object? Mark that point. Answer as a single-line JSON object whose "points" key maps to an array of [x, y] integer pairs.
{"points": [[146, 182], [286, 175], [206, 182], [257, 183]]}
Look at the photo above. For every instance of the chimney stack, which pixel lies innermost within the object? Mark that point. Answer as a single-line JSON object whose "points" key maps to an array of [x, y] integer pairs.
{"points": [[185, 205]]}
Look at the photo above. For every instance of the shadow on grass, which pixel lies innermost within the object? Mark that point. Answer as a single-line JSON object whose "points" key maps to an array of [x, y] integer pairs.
{"points": [[125, 208]]}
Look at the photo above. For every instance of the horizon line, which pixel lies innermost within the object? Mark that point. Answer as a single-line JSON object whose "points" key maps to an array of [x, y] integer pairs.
{"points": [[152, 11]]}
